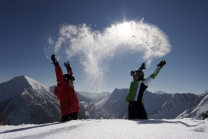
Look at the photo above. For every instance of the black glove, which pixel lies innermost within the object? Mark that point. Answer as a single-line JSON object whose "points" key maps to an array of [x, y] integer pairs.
{"points": [[67, 65], [162, 63], [55, 62], [142, 66]]}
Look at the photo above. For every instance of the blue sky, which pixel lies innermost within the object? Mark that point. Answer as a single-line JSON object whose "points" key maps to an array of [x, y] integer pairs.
{"points": [[27, 26]]}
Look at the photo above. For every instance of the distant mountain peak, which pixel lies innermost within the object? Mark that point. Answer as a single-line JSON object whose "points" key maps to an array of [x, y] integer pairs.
{"points": [[23, 99], [160, 92], [23, 78], [27, 82], [17, 85]]}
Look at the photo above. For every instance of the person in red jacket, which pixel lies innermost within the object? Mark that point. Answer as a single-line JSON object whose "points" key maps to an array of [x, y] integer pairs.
{"points": [[65, 92]]}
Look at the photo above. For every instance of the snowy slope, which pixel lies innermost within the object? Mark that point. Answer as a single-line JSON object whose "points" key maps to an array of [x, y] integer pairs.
{"points": [[110, 129], [199, 107], [24, 100], [95, 109], [113, 106], [153, 101], [177, 104]]}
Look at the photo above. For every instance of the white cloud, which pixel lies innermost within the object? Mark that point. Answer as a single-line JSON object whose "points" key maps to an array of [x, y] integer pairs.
{"points": [[97, 48]]}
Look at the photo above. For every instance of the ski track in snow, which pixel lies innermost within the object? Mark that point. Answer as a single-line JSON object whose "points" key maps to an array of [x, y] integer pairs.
{"points": [[112, 128]]}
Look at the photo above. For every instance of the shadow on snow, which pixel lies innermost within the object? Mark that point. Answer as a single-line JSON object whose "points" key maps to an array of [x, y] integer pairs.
{"points": [[162, 121]]}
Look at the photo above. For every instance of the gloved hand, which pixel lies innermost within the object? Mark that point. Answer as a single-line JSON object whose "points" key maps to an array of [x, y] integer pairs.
{"points": [[142, 66], [162, 63], [55, 62], [67, 65]]}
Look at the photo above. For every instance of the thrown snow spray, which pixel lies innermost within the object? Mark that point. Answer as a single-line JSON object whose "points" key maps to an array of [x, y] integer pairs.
{"points": [[95, 48]]}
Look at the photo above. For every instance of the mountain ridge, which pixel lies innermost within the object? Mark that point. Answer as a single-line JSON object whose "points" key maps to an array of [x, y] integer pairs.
{"points": [[24, 100]]}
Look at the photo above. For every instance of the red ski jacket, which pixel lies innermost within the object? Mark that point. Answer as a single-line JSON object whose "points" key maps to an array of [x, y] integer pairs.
{"points": [[67, 96]]}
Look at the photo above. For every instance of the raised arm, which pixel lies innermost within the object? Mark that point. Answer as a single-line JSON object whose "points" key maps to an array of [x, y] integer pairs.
{"points": [[59, 73], [155, 73]]}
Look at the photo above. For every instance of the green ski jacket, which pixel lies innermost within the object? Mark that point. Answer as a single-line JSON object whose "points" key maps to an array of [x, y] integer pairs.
{"points": [[137, 88]]}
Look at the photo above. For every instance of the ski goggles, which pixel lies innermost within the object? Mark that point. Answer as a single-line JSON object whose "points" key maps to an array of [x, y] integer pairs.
{"points": [[135, 72]]}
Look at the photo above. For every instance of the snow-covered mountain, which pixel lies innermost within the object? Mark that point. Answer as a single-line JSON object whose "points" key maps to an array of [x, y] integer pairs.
{"points": [[199, 106], [17, 85], [160, 92], [154, 101], [24, 100], [113, 106], [158, 106], [177, 104]]}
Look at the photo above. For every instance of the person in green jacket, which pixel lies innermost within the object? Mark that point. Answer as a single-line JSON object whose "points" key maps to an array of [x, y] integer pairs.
{"points": [[137, 88]]}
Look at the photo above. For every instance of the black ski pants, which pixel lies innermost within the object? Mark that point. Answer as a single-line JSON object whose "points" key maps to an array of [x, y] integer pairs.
{"points": [[136, 110], [69, 117], [73, 116]]}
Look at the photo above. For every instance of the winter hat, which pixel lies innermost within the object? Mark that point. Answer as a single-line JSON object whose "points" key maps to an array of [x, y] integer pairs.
{"points": [[140, 73], [68, 77]]}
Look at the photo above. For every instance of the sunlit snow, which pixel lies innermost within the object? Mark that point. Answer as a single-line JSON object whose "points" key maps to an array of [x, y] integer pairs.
{"points": [[110, 129]]}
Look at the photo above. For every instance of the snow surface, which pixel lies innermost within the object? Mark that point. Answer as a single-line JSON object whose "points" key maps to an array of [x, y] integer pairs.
{"points": [[110, 129]]}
